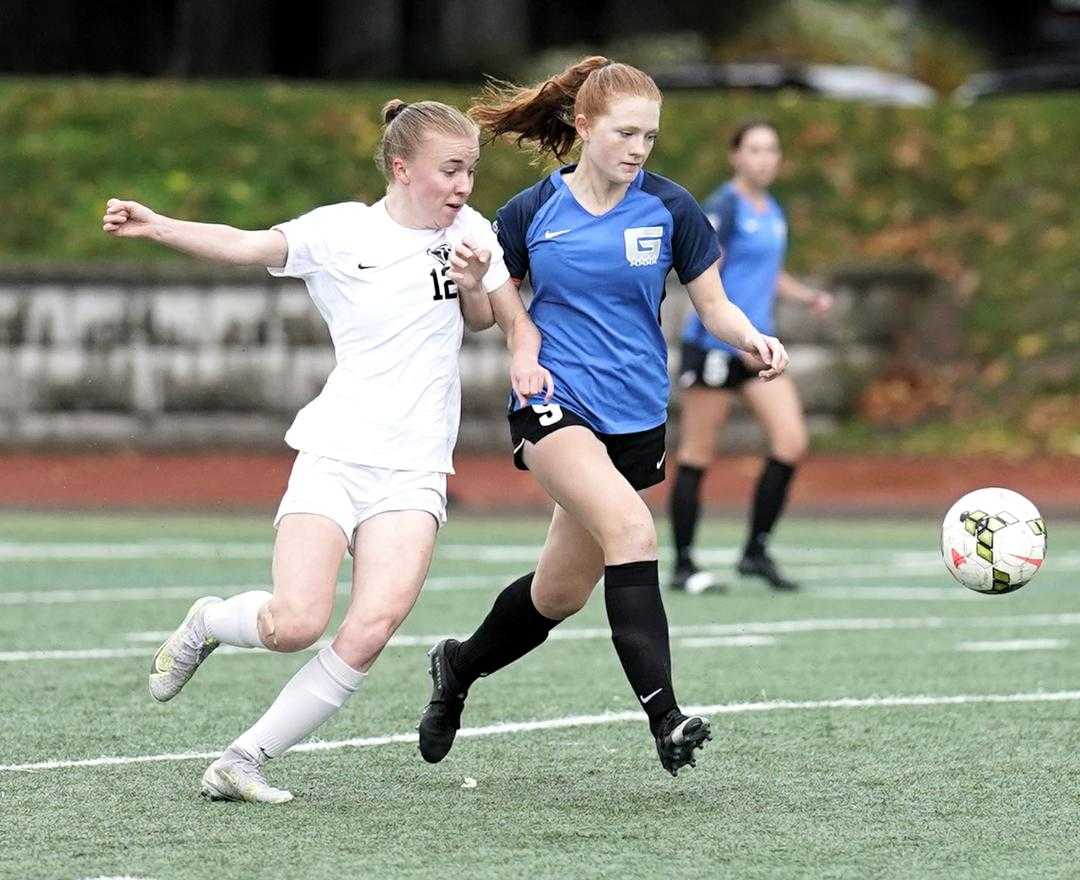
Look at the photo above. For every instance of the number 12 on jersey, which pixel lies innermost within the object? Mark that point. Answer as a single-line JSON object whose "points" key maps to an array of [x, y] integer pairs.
{"points": [[444, 287]]}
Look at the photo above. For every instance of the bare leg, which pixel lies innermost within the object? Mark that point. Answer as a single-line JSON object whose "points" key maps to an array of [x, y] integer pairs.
{"points": [[777, 406], [704, 410], [393, 552]]}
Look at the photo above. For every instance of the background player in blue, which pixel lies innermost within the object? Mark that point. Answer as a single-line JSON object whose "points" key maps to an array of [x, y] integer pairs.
{"points": [[597, 240], [752, 232]]}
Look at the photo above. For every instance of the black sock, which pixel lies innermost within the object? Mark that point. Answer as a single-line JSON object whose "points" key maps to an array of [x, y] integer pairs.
{"points": [[685, 504], [639, 630], [772, 489], [512, 628]]}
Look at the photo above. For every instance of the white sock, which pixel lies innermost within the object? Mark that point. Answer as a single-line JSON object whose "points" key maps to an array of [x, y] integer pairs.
{"points": [[315, 693], [235, 621]]}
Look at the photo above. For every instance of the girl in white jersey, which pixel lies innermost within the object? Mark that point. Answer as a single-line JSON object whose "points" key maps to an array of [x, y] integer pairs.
{"points": [[393, 280]]}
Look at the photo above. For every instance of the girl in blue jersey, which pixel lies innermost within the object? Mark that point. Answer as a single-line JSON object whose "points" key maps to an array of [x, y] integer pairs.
{"points": [[597, 240], [752, 233]]}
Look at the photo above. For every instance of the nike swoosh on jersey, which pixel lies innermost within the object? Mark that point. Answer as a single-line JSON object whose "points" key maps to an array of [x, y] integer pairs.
{"points": [[555, 233], [644, 700]]}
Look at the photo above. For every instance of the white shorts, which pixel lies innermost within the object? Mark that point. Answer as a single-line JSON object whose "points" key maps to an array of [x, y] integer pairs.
{"points": [[351, 493]]}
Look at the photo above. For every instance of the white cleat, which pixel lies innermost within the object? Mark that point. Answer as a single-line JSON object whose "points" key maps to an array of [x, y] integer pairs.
{"points": [[236, 776], [699, 582], [178, 658]]}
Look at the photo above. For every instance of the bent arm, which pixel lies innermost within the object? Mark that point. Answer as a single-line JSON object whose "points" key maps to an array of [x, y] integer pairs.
{"points": [[476, 308], [726, 321], [721, 317], [522, 337], [527, 377]]}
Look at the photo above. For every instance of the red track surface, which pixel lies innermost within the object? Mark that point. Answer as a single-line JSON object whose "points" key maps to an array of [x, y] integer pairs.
{"points": [[238, 481]]}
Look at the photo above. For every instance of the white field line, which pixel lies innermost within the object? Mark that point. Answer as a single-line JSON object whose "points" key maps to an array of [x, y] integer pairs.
{"points": [[79, 595], [148, 550], [12, 550], [147, 594], [115, 594], [461, 552], [915, 701], [1014, 645], [727, 642], [125, 877], [747, 628], [894, 594]]}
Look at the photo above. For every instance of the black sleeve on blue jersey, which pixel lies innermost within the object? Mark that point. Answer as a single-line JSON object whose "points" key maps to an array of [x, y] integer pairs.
{"points": [[720, 209], [694, 246], [512, 223]]}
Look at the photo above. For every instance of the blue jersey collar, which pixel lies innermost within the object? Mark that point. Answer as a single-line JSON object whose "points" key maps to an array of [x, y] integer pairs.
{"points": [[557, 179]]}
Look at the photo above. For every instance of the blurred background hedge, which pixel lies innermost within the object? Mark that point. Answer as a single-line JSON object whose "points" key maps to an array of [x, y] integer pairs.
{"points": [[986, 197]]}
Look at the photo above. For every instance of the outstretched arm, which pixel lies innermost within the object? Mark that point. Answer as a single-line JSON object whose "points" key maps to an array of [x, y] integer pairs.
{"points": [[789, 287], [211, 241], [726, 321], [527, 377]]}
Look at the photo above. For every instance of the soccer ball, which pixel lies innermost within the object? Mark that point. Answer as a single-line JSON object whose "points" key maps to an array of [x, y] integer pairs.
{"points": [[993, 541]]}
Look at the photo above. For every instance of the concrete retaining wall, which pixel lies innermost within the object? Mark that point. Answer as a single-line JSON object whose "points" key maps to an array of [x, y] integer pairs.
{"points": [[183, 356]]}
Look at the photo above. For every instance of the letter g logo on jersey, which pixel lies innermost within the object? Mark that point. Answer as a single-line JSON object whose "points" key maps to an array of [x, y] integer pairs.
{"points": [[643, 245]]}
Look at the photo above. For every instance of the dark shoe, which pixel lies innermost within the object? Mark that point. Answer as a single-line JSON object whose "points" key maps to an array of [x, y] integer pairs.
{"points": [[442, 716], [679, 736], [763, 567], [691, 579]]}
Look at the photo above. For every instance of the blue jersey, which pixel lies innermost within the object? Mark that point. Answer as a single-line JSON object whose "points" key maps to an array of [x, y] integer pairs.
{"points": [[598, 282], [754, 243]]}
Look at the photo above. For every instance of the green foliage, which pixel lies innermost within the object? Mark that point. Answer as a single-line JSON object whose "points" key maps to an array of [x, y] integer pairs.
{"points": [[986, 197], [870, 32]]}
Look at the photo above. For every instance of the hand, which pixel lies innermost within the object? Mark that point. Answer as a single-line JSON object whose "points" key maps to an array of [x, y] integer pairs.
{"points": [[821, 302], [126, 219], [468, 265], [527, 378], [771, 352]]}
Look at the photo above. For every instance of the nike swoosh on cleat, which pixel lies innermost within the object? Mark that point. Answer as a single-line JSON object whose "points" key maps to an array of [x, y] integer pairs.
{"points": [[556, 233], [644, 700]]}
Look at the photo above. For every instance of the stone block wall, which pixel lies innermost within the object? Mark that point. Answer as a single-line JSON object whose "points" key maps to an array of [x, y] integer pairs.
{"points": [[186, 356]]}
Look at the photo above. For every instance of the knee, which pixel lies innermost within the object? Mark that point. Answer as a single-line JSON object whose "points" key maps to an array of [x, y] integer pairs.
{"points": [[791, 448], [694, 453], [629, 537], [564, 604], [560, 589], [360, 642], [287, 627], [369, 636]]}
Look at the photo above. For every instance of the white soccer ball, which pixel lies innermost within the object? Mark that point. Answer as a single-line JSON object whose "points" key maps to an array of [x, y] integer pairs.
{"points": [[993, 540]]}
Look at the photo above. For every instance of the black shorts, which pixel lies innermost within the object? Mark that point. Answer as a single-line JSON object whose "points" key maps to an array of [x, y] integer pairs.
{"points": [[712, 368], [638, 456]]}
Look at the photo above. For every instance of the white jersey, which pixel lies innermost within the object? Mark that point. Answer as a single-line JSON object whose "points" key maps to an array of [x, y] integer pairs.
{"points": [[394, 398]]}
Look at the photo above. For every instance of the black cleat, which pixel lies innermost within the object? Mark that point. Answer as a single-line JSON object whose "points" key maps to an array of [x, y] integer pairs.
{"points": [[678, 738], [691, 579], [442, 716], [763, 567]]}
